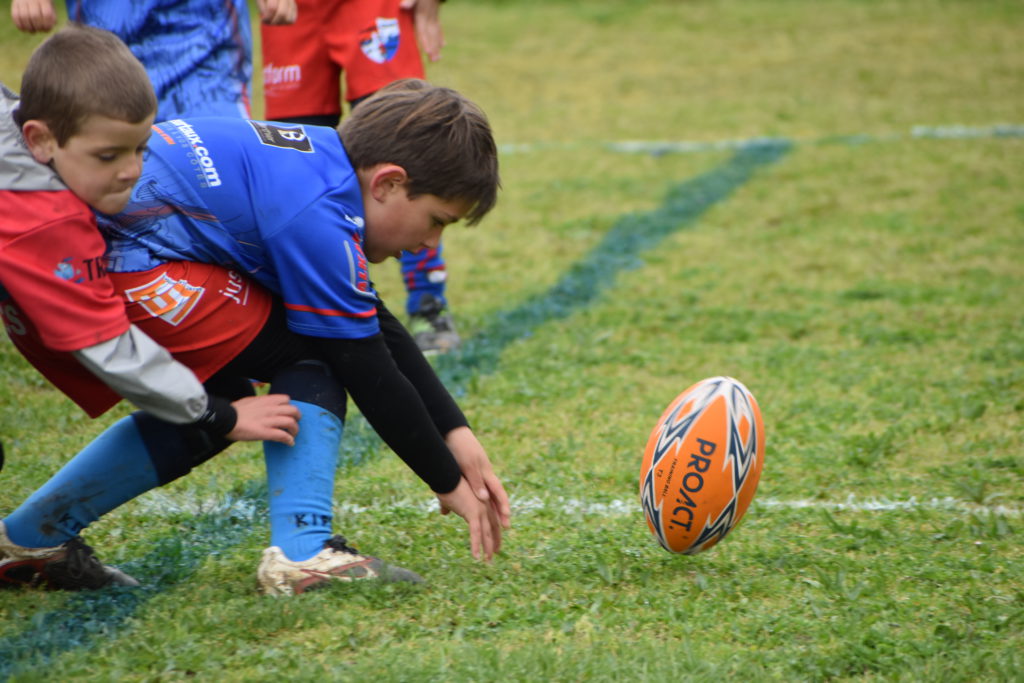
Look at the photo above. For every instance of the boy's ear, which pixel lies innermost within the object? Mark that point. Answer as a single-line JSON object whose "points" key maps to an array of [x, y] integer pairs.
{"points": [[386, 178], [40, 140]]}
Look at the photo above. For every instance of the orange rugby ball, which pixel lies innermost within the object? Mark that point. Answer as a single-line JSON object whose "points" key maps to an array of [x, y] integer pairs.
{"points": [[702, 464]]}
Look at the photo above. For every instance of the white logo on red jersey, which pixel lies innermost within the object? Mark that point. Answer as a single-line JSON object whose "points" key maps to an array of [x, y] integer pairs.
{"points": [[165, 298], [275, 75]]}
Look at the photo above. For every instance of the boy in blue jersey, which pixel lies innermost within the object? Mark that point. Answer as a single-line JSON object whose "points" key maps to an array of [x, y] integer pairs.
{"points": [[303, 210], [198, 53]]}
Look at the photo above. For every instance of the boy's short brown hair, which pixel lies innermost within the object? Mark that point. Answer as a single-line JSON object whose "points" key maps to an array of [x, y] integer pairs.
{"points": [[82, 71], [441, 139]]}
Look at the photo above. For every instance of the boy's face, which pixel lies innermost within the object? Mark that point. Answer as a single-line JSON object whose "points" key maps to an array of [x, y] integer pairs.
{"points": [[394, 222], [100, 163]]}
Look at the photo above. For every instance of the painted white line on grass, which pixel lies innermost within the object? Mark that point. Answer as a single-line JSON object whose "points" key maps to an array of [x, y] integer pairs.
{"points": [[886, 505], [160, 504], [955, 132], [190, 504]]}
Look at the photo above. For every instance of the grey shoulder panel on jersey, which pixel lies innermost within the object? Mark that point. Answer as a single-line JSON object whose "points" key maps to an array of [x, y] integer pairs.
{"points": [[143, 372], [18, 168]]}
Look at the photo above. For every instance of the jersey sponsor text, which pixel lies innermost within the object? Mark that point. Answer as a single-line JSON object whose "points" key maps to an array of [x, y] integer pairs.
{"points": [[201, 155]]}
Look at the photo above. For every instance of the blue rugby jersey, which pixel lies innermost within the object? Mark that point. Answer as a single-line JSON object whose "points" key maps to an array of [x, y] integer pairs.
{"points": [[198, 53], [280, 202]]}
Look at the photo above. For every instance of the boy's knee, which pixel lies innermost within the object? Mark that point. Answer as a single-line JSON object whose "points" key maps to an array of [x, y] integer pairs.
{"points": [[175, 450], [311, 382]]}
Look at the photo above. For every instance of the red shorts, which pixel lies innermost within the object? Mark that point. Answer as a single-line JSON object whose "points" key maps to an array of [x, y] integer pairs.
{"points": [[60, 367], [203, 314], [372, 42]]}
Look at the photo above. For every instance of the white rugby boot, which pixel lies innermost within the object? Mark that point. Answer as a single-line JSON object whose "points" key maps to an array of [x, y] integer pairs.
{"points": [[278, 575]]}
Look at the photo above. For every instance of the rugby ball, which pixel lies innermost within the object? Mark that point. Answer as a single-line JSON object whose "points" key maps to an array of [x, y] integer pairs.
{"points": [[702, 464]]}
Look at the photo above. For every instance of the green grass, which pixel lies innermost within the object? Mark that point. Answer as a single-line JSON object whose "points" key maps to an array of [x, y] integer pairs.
{"points": [[867, 290]]}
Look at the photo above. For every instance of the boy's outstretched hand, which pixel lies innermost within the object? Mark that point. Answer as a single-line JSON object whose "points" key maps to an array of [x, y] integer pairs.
{"points": [[484, 528], [265, 418], [476, 468], [479, 498]]}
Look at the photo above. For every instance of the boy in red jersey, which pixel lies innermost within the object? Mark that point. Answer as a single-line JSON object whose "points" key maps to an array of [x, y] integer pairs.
{"points": [[74, 144]]}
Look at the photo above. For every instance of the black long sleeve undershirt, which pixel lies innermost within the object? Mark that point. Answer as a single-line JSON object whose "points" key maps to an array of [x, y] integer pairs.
{"points": [[404, 402], [443, 409]]}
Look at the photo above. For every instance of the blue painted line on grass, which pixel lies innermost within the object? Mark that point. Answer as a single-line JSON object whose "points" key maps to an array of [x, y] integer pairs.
{"points": [[91, 615], [620, 250], [102, 614]]}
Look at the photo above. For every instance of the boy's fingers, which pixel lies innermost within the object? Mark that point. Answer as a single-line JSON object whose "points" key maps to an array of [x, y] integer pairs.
{"points": [[492, 518], [477, 483], [280, 437], [474, 538], [488, 540], [278, 431], [287, 424], [499, 501]]}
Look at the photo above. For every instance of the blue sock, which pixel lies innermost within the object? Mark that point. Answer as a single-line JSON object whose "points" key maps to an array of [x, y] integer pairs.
{"points": [[110, 471], [300, 480], [424, 272]]}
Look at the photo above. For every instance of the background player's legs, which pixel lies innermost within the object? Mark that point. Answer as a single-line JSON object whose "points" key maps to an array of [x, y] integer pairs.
{"points": [[300, 78], [372, 43], [425, 275]]}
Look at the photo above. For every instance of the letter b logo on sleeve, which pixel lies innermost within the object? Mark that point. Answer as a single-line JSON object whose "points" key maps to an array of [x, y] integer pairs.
{"points": [[290, 137]]}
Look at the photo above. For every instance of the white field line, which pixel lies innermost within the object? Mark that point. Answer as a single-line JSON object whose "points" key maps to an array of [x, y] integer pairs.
{"points": [[954, 132], [161, 504]]}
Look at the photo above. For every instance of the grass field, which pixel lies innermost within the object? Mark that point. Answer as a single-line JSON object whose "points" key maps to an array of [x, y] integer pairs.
{"points": [[821, 198]]}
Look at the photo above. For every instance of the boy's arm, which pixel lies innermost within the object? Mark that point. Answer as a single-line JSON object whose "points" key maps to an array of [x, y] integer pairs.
{"points": [[426, 18], [444, 411], [392, 406], [446, 414], [132, 364], [144, 373]]}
